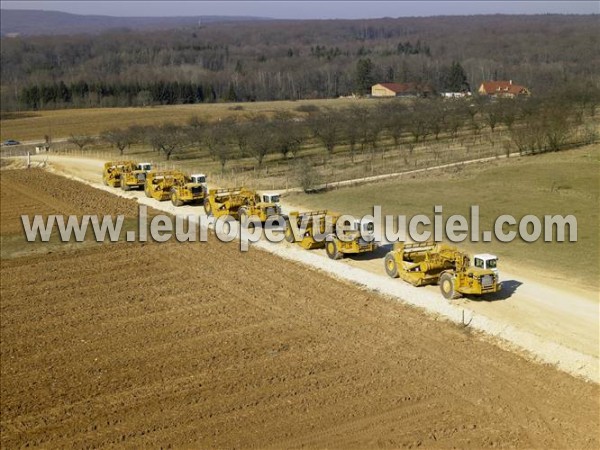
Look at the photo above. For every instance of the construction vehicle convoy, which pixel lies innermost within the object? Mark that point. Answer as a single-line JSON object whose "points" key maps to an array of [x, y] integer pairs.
{"points": [[416, 263], [436, 263], [242, 203], [316, 229]]}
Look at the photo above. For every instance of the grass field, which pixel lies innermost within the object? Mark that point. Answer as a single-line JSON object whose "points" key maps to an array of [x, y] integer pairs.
{"points": [[31, 126], [558, 183]]}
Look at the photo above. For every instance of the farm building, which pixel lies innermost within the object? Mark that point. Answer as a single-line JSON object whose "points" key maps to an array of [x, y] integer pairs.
{"points": [[400, 90], [502, 89]]}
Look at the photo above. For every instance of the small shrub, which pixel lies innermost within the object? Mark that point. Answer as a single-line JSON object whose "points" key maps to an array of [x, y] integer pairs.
{"points": [[307, 175], [308, 108]]}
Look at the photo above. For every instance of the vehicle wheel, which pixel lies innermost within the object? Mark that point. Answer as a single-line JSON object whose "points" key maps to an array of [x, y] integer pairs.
{"points": [[447, 286], [289, 234], [207, 207], [332, 250], [147, 192], [175, 200], [391, 267]]}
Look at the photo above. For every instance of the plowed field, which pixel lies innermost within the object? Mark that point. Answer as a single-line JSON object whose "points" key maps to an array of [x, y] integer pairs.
{"points": [[200, 345]]}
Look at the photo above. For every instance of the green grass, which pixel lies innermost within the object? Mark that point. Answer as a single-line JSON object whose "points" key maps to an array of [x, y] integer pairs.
{"points": [[557, 183]]}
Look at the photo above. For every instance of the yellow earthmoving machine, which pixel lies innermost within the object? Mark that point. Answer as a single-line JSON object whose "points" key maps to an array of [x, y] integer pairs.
{"points": [[189, 189], [113, 170], [241, 203], [160, 182], [436, 263], [317, 229], [133, 175]]}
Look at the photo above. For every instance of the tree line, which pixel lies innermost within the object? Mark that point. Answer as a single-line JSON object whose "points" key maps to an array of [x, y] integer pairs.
{"points": [[294, 60], [533, 125]]}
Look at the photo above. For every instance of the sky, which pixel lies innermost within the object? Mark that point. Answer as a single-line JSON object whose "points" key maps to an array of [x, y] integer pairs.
{"points": [[307, 9]]}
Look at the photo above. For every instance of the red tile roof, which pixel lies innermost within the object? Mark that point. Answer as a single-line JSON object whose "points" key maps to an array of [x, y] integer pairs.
{"points": [[503, 87]]}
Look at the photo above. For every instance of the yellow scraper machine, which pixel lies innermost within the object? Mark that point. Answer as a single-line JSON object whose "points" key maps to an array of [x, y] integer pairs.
{"points": [[241, 203], [189, 189], [160, 182], [134, 175], [436, 263], [317, 229], [125, 174], [111, 175]]}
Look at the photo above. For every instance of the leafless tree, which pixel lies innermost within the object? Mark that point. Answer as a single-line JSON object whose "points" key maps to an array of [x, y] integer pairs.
{"points": [[118, 138], [81, 141]]}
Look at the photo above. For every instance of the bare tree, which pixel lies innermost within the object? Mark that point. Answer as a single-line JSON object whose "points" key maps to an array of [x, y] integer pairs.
{"points": [[327, 128], [393, 115], [436, 119], [350, 129], [493, 114], [168, 139], [47, 142], [556, 125], [118, 138], [219, 146], [418, 122], [260, 139], [288, 132], [81, 141]]}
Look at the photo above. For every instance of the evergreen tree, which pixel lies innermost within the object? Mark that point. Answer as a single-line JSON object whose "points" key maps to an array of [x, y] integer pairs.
{"points": [[456, 79], [364, 75]]}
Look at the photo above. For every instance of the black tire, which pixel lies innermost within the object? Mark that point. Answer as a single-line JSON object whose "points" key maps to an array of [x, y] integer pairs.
{"points": [[391, 267], [447, 286], [175, 200], [332, 250], [207, 207], [289, 233]]}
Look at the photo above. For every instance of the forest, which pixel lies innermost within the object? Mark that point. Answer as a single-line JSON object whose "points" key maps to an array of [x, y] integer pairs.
{"points": [[273, 60]]}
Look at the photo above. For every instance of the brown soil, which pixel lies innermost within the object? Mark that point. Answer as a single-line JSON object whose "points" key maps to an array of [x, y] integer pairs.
{"points": [[35, 191], [200, 345]]}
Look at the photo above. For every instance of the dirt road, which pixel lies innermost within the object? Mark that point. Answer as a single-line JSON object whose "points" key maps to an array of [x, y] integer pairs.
{"points": [[556, 323], [199, 345]]}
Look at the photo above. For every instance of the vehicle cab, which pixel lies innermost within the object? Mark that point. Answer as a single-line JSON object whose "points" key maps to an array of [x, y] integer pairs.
{"points": [[487, 261], [146, 167], [365, 229], [198, 178], [270, 197]]}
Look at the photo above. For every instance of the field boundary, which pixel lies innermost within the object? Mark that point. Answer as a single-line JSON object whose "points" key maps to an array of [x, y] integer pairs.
{"points": [[375, 178]]}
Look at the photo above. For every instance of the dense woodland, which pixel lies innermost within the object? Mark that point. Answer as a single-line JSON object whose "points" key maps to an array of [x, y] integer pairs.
{"points": [[296, 59]]}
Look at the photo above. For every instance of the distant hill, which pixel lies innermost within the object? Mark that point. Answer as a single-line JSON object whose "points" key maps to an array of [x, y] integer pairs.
{"points": [[37, 22]]}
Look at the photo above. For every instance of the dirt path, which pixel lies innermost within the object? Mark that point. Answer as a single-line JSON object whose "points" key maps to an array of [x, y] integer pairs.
{"points": [[175, 345]]}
